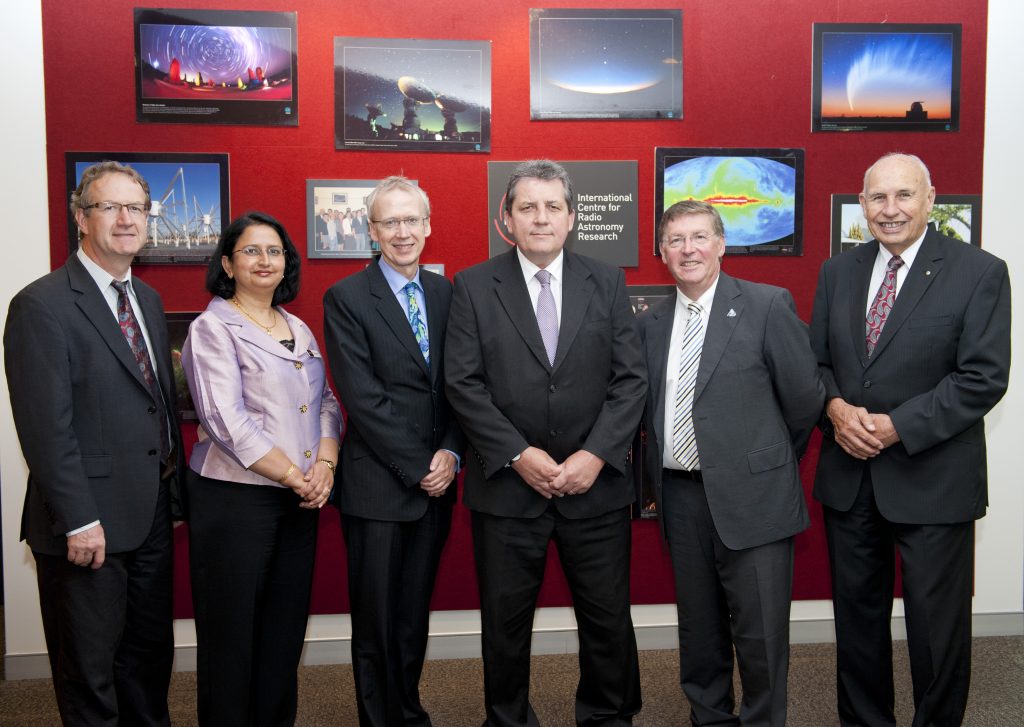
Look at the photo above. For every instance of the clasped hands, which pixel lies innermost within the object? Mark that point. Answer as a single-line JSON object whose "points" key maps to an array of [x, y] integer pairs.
{"points": [[860, 433], [574, 476], [314, 487]]}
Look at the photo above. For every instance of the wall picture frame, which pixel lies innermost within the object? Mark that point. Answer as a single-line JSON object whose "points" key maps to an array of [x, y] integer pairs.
{"points": [[954, 215]]}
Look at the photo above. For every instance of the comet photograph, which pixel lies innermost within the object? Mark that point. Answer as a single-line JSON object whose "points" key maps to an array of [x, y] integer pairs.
{"points": [[198, 66], [870, 77], [423, 95], [606, 64]]}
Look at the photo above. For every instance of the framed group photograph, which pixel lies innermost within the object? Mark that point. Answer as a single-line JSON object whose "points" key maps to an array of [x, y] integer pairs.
{"points": [[412, 95], [216, 67], [190, 202], [886, 77], [606, 64], [177, 332], [338, 218], [954, 215], [758, 193]]}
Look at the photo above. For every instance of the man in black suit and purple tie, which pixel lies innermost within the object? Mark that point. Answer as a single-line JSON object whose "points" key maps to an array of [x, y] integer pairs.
{"points": [[912, 337], [734, 395], [92, 390], [385, 333], [544, 372]]}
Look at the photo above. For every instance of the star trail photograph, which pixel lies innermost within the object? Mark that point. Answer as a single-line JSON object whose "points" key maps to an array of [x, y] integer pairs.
{"points": [[891, 77], [226, 67], [606, 64], [402, 94]]}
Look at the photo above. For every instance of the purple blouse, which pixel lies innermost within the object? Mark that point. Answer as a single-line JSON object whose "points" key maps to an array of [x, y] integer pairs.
{"points": [[251, 394]]}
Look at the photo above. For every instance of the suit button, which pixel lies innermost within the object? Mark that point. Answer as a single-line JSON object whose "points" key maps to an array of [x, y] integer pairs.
{"points": [[298, 365], [152, 453], [304, 408], [308, 453], [151, 410], [553, 433], [552, 388], [867, 384]]}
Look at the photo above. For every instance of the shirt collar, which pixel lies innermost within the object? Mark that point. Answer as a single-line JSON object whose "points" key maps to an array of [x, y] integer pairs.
{"points": [[907, 256], [98, 274], [530, 270], [705, 299], [397, 281]]}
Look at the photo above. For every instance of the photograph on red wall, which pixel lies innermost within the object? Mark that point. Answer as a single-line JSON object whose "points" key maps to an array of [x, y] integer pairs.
{"points": [[189, 204], [412, 95], [338, 218], [953, 215], [758, 192], [216, 67], [606, 64], [886, 77]]}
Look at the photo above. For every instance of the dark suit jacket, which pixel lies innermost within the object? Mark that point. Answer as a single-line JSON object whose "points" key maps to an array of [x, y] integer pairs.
{"points": [[508, 397], [88, 425], [757, 398], [941, 363], [398, 416]]}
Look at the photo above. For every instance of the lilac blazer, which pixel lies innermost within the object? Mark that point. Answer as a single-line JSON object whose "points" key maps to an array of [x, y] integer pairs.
{"points": [[251, 393]]}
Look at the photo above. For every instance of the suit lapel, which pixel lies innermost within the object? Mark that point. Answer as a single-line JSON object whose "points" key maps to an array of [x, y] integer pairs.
{"points": [[659, 335], [391, 311], [860, 278], [726, 311], [925, 269], [92, 303], [435, 322], [577, 290], [515, 299], [156, 326]]}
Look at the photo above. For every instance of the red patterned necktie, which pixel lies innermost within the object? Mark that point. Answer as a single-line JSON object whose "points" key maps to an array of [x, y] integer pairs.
{"points": [[882, 304], [133, 334]]}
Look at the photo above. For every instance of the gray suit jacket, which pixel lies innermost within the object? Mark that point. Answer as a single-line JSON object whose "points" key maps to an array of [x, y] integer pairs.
{"points": [[88, 425], [757, 398], [941, 363], [398, 416], [508, 397]]}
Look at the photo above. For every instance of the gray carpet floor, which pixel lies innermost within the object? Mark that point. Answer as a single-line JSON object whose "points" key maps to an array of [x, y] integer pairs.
{"points": [[453, 691]]}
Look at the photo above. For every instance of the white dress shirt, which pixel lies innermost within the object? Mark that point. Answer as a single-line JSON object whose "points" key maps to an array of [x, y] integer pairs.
{"points": [[882, 262], [533, 285]]}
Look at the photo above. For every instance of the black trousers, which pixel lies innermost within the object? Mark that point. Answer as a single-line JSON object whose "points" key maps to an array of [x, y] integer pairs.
{"points": [[391, 571], [938, 574], [725, 599], [251, 554], [510, 557], [108, 631]]}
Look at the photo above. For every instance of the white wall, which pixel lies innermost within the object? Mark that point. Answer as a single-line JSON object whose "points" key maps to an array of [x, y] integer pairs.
{"points": [[999, 599]]}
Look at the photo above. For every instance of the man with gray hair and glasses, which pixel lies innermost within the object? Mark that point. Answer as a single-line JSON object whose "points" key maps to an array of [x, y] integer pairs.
{"points": [[92, 391]]}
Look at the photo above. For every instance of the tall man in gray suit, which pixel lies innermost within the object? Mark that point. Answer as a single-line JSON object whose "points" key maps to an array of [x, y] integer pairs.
{"points": [[544, 372], [734, 394], [912, 336], [89, 370], [385, 332]]}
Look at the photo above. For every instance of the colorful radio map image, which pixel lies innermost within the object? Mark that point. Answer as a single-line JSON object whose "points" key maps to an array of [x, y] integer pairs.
{"points": [[215, 62], [608, 66], [413, 96], [871, 78], [755, 196]]}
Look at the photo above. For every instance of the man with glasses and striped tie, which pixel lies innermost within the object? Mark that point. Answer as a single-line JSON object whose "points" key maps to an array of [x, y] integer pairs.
{"points": [[734, 394]]}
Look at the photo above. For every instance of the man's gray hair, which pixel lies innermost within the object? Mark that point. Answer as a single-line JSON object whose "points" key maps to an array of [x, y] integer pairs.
{"points": [[544, 169]]}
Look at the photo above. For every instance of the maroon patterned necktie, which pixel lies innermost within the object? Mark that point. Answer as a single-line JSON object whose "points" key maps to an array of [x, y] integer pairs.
{"points": [[882, 304], [133, 334]]}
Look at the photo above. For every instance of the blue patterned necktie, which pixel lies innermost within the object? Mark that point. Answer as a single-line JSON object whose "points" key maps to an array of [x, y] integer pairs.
{"points": [[684, 439], [419, 328]]}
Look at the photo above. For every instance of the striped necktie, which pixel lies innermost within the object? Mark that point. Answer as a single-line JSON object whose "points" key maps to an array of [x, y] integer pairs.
{"points": [[684, 440]]}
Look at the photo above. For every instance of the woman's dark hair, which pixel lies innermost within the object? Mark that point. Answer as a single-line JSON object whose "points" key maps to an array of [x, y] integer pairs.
{"points": [[217, 280]]}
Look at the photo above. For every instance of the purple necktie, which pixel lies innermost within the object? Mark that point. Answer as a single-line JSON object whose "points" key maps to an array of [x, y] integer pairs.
{"points": [[880, 308], [133, 334], [547, 315]]}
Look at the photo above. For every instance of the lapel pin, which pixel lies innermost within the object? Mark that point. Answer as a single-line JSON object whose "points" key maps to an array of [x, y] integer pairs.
{"points": [[927, 272], [731, 313]]}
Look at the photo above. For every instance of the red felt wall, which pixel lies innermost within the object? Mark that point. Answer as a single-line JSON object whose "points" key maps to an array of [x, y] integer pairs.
{"points": [[747, 83]]}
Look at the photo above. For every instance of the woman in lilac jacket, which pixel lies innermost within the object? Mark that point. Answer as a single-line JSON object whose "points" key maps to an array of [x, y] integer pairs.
{"points": [[263, 466]]}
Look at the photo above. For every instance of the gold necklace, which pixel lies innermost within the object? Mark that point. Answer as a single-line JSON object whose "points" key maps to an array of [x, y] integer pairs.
{"points": [[269, 329]]}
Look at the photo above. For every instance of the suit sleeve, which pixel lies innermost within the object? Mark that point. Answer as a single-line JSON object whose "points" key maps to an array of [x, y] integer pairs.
{"points": [[365, 398], [485, 426], [819, 335], [795, 375], [966, 394], [616, 425], [39, 376]]}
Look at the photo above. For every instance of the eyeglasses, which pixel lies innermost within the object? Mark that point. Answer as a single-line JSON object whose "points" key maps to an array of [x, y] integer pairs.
{"points": [[253, 251], [113, 209], [392, 223], [698, 239]]}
